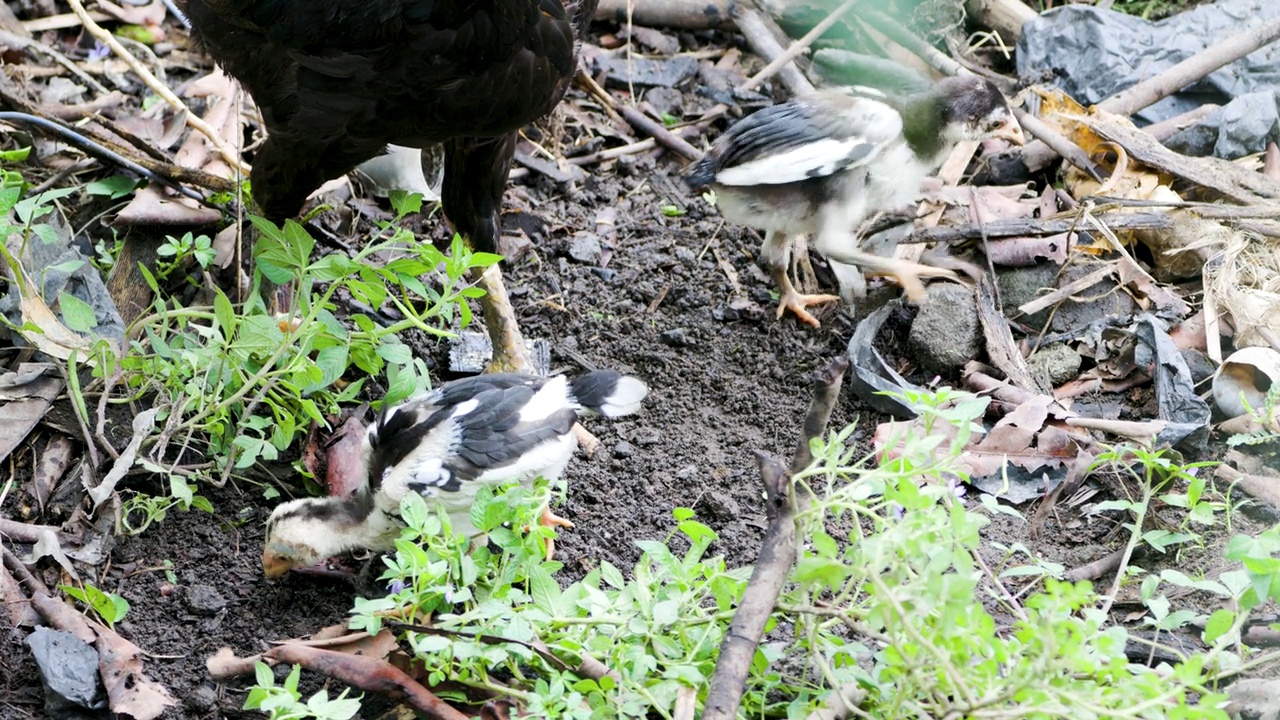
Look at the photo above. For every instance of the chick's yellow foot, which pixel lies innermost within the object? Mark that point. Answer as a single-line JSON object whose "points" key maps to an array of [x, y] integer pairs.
{"points": [[797, 302], [550, 519]]}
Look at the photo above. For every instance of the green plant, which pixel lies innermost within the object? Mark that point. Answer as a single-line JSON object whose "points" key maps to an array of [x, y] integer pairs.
{"points": [[245, 384], [890, 604], [174, 253], [110, 607], [284, 702]]}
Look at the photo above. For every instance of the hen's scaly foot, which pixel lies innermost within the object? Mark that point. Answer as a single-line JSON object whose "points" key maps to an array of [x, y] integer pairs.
{"points": [[797, 302]]}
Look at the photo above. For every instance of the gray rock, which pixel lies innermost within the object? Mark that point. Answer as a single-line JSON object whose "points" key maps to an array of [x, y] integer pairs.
{"points": [[1057, 362], [204, 600], [666, 100], [1022, 285], [585, 248], [624, 449], [946, 333], [1255, 698], [675, 337]]}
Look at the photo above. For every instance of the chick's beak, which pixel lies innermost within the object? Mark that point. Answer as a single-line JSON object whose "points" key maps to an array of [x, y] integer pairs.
{"points": [[1010, 130], [274, 565]]}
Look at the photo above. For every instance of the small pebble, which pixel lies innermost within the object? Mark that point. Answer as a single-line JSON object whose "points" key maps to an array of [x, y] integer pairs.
{"points": [[675, 337], [624, 449], [204, 600], [585, 248], [604, 274]]}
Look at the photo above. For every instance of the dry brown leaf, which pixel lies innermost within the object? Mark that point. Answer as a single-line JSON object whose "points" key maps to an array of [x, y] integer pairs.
{"points": [[41, 326]]}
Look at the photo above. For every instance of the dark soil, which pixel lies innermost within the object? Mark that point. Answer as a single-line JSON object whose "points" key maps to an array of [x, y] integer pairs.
{"points": [[682, 303]]}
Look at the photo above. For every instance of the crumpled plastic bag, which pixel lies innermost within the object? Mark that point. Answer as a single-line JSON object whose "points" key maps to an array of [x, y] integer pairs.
{"points": [[1093, 54]]}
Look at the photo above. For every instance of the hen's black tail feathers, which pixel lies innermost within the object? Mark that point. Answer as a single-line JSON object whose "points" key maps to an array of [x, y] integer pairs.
{"points": [[608, 392]]}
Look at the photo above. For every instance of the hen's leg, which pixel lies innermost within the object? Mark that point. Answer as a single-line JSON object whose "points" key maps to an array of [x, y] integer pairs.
{"points": [[777, 251], [500, 322], [475, 177]]}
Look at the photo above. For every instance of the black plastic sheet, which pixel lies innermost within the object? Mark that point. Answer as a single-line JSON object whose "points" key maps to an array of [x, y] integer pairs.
{"points": [[1093, 54]]}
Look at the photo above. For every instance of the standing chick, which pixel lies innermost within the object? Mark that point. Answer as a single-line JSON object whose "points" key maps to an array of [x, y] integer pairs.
{"points": [[826, 162], [484, 430]]}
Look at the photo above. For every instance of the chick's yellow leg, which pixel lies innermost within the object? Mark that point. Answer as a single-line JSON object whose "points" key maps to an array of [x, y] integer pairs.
{"points": [[777, 251], [550, 519]]}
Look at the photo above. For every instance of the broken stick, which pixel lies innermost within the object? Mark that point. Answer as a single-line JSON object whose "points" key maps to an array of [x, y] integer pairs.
{"points": [[777, 552]]}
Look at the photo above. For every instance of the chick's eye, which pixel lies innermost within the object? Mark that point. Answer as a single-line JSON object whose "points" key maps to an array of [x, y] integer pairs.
{"points": [[994, 124]]}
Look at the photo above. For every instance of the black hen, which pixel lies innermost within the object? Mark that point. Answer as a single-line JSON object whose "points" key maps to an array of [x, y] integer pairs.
{"points": [[337, 80]]}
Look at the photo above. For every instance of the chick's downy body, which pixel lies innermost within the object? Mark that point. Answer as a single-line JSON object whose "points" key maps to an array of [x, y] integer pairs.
{"points": [[337, 80], [826, 162], [489, 429]]}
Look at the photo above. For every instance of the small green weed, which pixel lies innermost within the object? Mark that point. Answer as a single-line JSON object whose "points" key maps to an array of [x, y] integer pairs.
{"points": [[110, 607], [284, 702]]}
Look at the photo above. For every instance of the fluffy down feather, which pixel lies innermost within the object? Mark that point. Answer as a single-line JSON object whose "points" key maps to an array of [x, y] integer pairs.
{"points": [[827, 162], [488, 429]]}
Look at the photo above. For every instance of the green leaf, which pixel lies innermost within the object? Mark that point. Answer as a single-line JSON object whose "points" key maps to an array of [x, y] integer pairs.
{"points": [[666, 612], [405, 203], [1218, 624], [76, 313], [544, 590], [114, 187], [15, 156], [612, 575], [224, 313]]}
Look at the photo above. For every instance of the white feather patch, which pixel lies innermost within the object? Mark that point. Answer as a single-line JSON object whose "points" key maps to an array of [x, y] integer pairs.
{"points": [[625, 398], [815, 159], [550, 398]]}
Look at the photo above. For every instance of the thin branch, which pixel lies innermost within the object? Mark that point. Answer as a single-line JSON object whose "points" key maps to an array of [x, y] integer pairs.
{"points": [[797, 47], [229, 154], [757, 29], [777, 552]]}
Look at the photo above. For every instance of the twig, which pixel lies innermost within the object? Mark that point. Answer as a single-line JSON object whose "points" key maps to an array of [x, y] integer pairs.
{"points": [[680, 14], [1098, 568], [797, 47], [640, 121], [17, 41], [1058, 142], [1166, 129], [196, 123], [764, 42], [1152, 90], [23, 532], [1025, 227], [894, 30], [777, 552], [367, 673]]}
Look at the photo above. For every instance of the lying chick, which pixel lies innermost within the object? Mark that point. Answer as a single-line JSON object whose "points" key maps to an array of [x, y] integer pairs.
{"points": [[827, 162], [485, 430]]}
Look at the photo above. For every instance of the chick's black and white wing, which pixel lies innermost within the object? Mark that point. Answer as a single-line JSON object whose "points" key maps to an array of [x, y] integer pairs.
{"points": [[812, 136], [485, 429]]}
